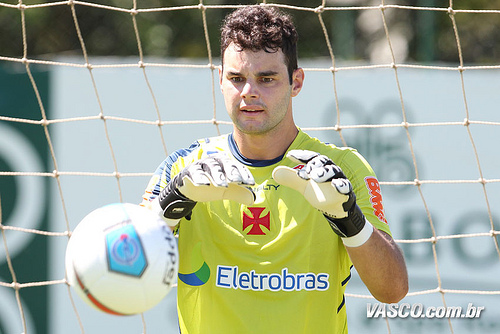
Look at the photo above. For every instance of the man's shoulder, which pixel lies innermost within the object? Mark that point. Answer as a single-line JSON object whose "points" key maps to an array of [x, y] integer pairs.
{"points": [[213, 145], [207, 145], [198, 149], [348, 158], [220, 140], [308, 142]]}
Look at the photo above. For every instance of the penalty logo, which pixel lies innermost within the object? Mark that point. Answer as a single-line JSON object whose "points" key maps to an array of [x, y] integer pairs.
{"points": [[125, 251]]}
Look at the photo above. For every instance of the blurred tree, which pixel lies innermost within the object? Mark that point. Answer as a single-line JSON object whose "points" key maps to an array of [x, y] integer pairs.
{"points": [[355, 34]]}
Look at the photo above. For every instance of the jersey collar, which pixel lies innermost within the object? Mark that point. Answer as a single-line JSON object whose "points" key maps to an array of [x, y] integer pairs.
{"points": [[249, 162]]}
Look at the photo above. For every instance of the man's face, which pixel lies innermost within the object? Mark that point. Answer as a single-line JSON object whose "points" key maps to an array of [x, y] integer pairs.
{"points": [[257, 90]]}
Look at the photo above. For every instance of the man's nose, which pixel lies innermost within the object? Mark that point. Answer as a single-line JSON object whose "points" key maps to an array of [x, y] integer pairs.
{"points": [[249, 91]]}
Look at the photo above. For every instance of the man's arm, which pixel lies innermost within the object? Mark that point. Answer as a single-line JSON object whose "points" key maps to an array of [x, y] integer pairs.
{"points": [[381, 266]]}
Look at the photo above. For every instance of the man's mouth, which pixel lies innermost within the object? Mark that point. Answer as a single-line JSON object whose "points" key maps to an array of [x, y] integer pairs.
{"points": [[251, 109]]}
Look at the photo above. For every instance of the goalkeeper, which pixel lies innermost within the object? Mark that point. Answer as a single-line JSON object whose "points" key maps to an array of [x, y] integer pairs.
{"points": [[270, 220]]}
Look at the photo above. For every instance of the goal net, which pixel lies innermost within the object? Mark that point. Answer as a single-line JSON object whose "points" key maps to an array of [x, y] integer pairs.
{"points": [[94, 95]]}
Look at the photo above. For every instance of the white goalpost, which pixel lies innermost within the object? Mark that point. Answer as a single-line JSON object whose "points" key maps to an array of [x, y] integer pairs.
{"points": [[82, 129]]}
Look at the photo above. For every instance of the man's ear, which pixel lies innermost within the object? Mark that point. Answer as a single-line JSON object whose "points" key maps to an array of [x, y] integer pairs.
{"points": [[297, 81]]}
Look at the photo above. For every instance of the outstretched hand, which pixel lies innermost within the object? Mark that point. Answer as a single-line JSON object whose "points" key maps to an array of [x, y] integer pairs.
{"points": [[321, 182], [210, 179], [325, 187], [215, 178]]}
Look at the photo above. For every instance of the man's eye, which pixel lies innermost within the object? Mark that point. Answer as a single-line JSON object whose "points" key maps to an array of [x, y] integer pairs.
{"points": [[267, 80], [236, 79]]}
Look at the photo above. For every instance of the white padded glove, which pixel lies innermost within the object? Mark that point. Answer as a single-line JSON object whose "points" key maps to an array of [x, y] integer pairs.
{"points": [[325, 187], [210, 179]]}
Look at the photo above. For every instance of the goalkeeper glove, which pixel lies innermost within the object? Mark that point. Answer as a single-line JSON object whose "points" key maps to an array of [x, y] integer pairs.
{"points": [[326, 188], [209, 179]]}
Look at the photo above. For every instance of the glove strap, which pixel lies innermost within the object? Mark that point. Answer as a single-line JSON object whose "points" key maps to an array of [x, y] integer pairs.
{"points": [[360, 238], [354, 229], [175, 205], [155, 207], [350, 225]]}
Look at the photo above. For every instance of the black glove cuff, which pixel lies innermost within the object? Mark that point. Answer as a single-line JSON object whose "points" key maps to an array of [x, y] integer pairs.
{"points": [[173, 203], [350, 225]]}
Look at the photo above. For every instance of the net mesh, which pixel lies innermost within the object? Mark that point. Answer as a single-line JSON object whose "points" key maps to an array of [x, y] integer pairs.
{"points": [[392, 61]]}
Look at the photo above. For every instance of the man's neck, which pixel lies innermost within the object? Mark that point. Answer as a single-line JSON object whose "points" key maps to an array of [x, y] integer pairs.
{"points": [[265, 146]]}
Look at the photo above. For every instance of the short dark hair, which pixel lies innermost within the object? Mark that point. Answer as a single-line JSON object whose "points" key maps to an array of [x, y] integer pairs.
{"points": [[260, 27]]}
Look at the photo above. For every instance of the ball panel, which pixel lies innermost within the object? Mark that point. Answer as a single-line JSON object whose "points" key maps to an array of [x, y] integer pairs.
{"points": [[90, 299], [85, 252]]}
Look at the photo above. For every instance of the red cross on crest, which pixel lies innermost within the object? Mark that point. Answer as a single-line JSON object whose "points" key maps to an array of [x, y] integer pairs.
{"points": [[255, 221]]}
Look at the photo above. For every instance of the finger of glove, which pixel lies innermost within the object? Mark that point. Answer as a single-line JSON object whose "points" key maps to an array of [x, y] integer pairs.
{"points": [[214, 169], [323, 196], [240, 194], [301, 156], [326, 198], [288, 177], [196, 174], [318, 162], [237, 172], [246, 175], [210, 192], [325, 173], [323, 161], [200, 192], [343, 186]]}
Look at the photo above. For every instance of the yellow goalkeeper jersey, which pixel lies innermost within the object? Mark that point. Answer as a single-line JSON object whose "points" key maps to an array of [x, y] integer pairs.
{"points": [[273, 267]]}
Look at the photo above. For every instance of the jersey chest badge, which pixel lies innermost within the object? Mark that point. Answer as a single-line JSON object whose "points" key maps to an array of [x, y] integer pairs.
{"points": [[256, 221]]}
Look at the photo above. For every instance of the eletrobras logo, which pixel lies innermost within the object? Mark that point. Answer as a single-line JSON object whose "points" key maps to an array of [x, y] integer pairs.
{"points": [[231, 277]]}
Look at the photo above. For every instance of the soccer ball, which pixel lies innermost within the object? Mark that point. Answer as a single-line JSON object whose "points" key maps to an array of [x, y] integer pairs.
{"points": [[122, 259]]}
